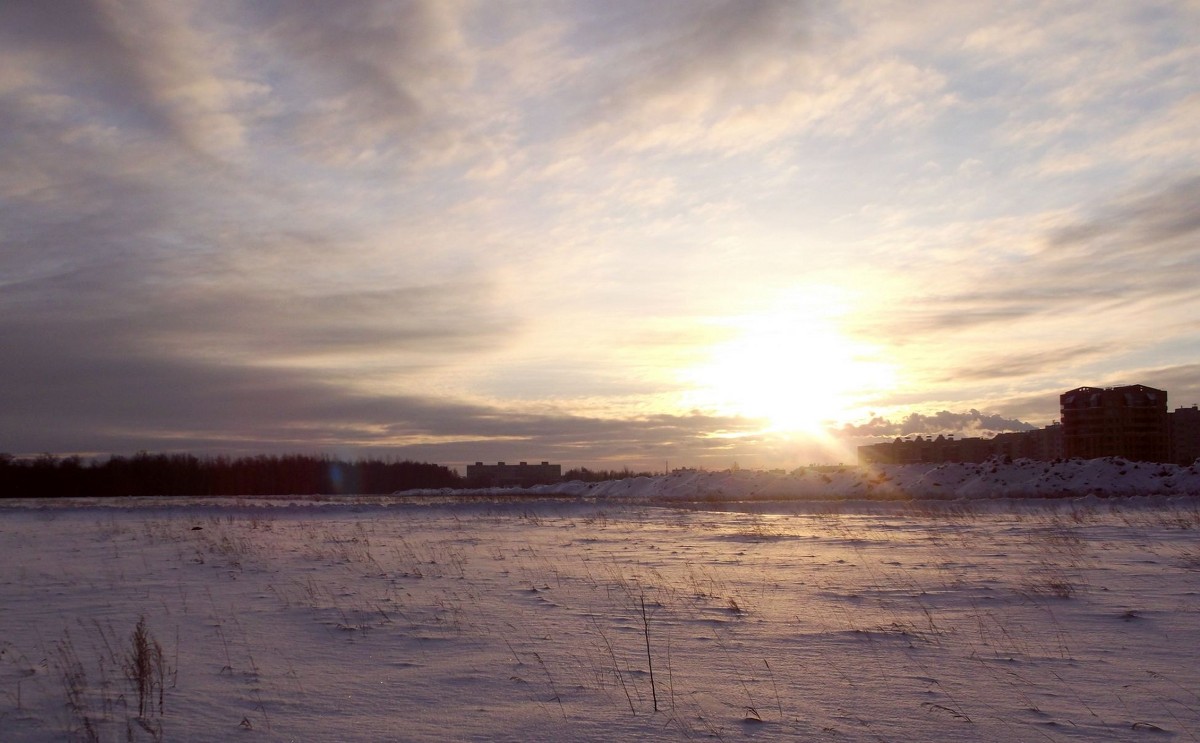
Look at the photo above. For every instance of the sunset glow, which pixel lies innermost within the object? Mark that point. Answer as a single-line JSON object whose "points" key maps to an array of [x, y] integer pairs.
{"points": [[795, 371]]}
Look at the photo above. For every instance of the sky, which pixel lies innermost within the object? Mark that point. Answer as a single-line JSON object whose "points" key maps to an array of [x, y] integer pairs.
{"points": [[607, 234]]}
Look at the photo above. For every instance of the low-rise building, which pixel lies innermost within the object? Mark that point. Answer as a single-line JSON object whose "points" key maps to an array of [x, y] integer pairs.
{"points": [[513, 475], [926, 449], [1043, 444]]}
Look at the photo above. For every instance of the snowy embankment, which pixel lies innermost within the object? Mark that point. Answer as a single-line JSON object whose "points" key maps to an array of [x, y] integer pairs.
{"points": [[1020, 479]]}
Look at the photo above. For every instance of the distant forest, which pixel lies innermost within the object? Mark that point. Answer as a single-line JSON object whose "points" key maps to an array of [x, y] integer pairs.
{"points": [[184, 474]]}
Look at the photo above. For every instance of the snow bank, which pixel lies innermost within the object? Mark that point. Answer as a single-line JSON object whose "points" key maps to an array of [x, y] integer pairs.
{"points": [[1022, 478]]}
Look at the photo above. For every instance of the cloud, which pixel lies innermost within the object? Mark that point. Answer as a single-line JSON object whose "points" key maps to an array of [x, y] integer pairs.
{"points": [[355, 83], [1007, 367], [674, 65], [738, 77], [1065, 269], [1171, 135], [80, 395], [675, 46], [1182, 382], [1149, 223], [130, 63], [378, 79], [971, 423]]}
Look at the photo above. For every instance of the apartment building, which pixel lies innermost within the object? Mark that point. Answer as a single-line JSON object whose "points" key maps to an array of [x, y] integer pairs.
{"points": [[1185, 435], [1129, 421]]}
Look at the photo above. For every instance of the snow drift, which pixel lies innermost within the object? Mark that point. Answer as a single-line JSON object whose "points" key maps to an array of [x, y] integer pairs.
{"points": [[1022, 478]]}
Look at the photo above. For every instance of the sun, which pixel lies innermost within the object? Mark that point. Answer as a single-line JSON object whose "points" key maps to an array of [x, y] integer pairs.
{"points": [[798, 374]]}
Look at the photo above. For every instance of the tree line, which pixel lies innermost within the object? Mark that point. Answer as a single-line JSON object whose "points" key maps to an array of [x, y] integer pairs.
{"points": [[184, 474], [583, 474]]}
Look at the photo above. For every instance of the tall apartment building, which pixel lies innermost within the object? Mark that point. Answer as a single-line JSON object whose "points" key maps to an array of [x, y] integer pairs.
{"points": [[1129, 421]]}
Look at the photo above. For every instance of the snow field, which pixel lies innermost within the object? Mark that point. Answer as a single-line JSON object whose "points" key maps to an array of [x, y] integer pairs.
{"points": [[539, 620]]}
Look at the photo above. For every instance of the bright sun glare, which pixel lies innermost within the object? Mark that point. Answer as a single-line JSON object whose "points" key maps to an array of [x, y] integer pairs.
{"points": [[797, 372]]}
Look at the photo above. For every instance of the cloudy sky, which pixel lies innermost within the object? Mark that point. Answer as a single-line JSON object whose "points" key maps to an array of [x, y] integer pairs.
{"points": [[616, 233]]}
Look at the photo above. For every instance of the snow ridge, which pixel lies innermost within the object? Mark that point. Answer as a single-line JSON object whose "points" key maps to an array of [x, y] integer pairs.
{"points": [[1023, 478]]}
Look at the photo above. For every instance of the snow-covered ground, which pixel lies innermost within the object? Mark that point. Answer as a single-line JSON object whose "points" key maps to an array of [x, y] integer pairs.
{"points": [[751, 608]]}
